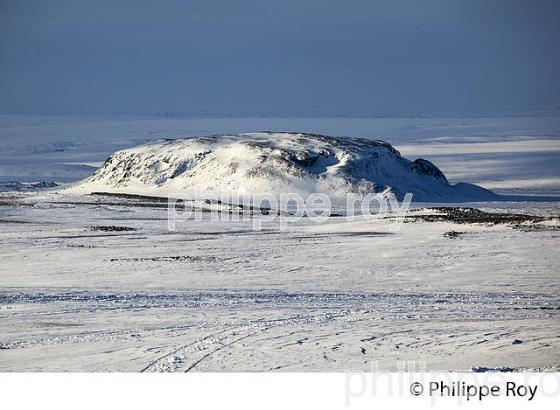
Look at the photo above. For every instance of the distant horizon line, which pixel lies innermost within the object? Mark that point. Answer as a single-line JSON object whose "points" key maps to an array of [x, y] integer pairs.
{"points": [[218, 115]]}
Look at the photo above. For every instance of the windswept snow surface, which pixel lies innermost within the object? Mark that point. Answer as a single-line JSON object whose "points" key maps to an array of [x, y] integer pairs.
{"points": [[78, 294], [256, 163]]}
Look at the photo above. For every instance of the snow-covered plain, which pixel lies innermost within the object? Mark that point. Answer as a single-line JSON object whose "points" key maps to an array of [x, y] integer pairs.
{"points": [[76, 294]]}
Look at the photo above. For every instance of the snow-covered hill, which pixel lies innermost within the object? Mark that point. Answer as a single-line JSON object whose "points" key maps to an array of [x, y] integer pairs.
{"points": [[269, 162]]}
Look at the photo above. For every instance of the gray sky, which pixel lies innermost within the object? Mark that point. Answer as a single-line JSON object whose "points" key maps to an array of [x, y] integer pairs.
{"points": [[287, 57]]}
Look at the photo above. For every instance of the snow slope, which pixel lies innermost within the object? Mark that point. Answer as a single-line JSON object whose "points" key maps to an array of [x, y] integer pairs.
{"points": [[267, 162]]}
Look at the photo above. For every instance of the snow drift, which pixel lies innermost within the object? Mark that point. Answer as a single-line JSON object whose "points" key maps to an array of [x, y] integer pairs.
{"points": [[267, 162]]}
